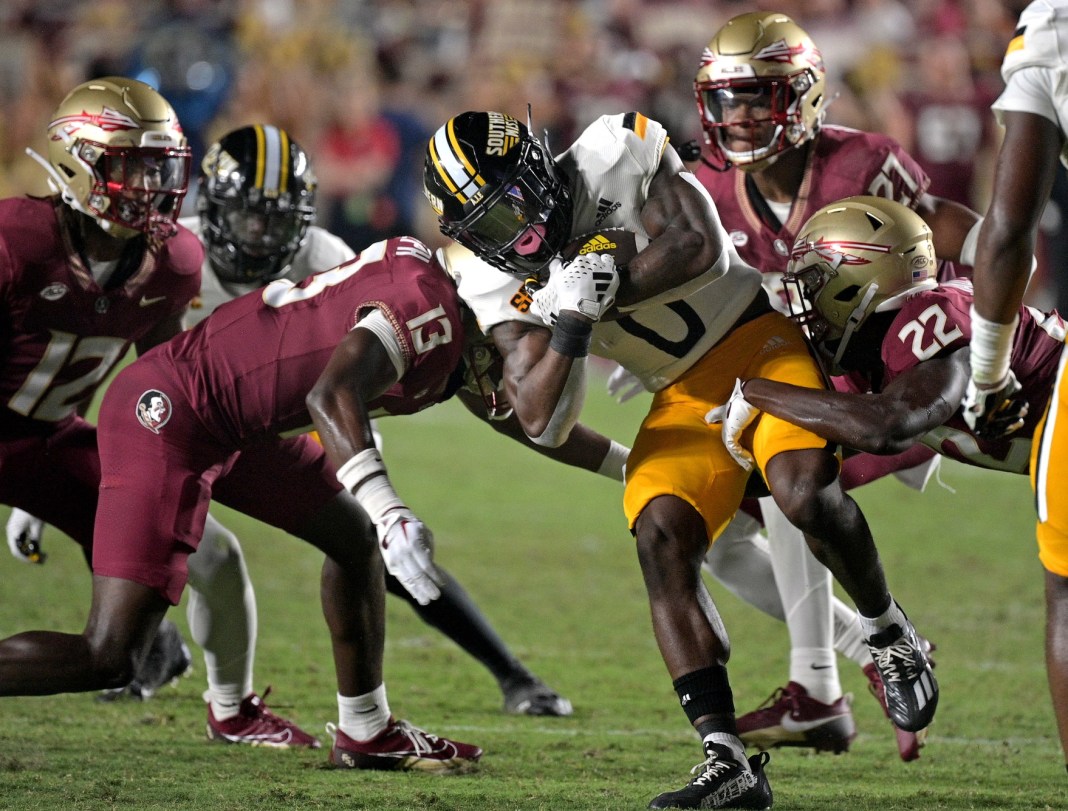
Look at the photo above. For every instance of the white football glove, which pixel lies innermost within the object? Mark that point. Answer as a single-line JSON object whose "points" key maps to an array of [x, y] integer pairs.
{"points": [[736, 415], [24, 536], [992, 413], [624, 385], [407, 549], [586, 284]]}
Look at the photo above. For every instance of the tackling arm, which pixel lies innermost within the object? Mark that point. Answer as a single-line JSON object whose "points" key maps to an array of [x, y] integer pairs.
{"points": [[885, 423], [584, 447], [952, 227]]}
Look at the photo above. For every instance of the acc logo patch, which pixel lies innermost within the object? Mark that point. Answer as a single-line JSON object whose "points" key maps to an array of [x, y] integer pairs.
{"points": [[54, 291], [153, 410], [739, 238]]}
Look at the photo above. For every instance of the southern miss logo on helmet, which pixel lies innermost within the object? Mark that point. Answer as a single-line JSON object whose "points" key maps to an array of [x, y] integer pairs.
{"points": [[503, 134]]}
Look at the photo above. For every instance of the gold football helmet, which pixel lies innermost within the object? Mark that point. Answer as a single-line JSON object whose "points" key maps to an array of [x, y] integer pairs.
{"points": [[855, 257], [760, 89], [117, 153]]}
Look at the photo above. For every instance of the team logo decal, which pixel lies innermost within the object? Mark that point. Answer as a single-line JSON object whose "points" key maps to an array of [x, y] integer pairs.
{"points": [[54, 291], [108, 120], [780, 51], [836, 252], [503, 134], [153, 410]]}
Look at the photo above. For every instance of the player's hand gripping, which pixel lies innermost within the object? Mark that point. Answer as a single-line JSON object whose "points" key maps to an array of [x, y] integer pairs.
{"points": [[736, 414], [994, 412], [586, 284], [24, 537], [408, 551]]}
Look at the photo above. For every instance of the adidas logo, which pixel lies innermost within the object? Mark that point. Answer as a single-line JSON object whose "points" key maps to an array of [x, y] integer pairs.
{"points": [[599, 244], [604, 209]]}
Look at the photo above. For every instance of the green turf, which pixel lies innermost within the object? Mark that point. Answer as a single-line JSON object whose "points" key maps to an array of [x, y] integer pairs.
{"points": [[545, 551]]}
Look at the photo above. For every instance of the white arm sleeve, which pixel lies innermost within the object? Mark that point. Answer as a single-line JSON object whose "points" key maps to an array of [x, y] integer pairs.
{"points": [[377, 323], [568, 408]]}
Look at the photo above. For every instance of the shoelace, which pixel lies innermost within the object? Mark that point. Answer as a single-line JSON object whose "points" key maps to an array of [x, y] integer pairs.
{"points": [[886, 659], [780, 693], [421, 740], [713, 766]]}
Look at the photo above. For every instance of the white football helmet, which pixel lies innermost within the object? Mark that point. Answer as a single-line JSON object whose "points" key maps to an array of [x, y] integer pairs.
{"points": [[117, 153], [760, 89], [855, 257]]}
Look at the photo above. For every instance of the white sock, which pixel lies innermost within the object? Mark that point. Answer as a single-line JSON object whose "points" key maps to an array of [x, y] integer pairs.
{"points": [[848, 638], [225, 700], [870, 626], [363, 717], [805, 588], [732, 742], [218, 584], [816, 669]]}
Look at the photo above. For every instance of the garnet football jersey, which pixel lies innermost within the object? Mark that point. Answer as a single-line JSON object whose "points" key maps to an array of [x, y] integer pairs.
{"points": [[61, 332], [248, 367], [935, 322]]}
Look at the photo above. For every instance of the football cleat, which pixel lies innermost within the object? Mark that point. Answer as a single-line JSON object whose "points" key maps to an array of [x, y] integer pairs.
{"points": [[167, 660], [911, 690], [404, 747], [256, 725], [529, 695], [790, 717], [720, 781], [908, 743]]}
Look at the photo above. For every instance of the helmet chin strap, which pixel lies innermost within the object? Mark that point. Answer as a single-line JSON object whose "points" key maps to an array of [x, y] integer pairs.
{"points": [[854, 321]]}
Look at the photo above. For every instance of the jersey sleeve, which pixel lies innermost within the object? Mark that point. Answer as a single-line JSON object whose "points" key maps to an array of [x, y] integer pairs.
{"points": [[931, 324], [892, 172]]}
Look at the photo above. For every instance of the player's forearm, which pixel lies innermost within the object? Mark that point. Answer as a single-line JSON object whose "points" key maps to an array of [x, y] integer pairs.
{"points": [[851, 420]]}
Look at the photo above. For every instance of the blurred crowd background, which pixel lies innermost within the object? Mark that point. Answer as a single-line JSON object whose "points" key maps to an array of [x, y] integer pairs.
{"points": [[361, 84]]}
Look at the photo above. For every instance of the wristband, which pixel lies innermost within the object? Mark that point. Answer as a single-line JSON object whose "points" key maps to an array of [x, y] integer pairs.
{"points": [[359, 467], [991, 349], [571, 336], [614, 464]]}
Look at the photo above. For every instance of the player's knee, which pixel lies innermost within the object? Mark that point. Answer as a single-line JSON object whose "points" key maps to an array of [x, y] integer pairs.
{"points": [[671, 542]]}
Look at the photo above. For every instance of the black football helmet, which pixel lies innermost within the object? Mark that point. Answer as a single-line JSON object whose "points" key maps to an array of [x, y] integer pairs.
{"points": [[497, 191], [257, 199]]}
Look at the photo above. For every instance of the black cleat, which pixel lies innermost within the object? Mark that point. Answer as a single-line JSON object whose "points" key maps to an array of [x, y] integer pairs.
{"points": [[720, 781], [907, 675]]}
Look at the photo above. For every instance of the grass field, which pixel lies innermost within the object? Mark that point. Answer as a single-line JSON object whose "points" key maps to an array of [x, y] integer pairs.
{"points": [[545, 552]]}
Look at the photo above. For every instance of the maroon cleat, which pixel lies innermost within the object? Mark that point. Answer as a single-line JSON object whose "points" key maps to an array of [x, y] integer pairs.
{"points": [[402, 746], [909, 744], [790, 717], [256, 725]]}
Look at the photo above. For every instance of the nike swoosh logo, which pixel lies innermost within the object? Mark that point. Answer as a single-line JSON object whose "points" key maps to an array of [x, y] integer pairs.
{"points": [[790, 725], [821, 667], [364, 712], [148, 302]]}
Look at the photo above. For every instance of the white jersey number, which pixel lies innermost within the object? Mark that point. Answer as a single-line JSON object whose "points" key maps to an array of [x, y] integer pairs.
{"points": [[42, 398], [932, 319]]}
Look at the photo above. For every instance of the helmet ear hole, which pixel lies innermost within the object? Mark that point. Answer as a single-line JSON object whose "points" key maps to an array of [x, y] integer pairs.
{"points": [[847, 293]]}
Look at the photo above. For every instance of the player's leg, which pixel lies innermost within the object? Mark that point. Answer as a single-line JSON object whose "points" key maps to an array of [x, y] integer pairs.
{"points": [[457, 616], [367, 735], [682, 488], [123, 618]]}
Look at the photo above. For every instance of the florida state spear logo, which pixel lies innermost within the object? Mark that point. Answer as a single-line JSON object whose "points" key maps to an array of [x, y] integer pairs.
{"points": [[153, 410]]}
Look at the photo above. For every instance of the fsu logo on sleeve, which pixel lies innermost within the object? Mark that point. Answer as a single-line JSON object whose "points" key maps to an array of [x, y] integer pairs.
{"points": [[153, 410]]}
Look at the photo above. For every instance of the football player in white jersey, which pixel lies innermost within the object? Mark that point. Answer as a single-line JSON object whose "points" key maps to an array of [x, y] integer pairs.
{"points": [[689, 318], [1034, 112]]}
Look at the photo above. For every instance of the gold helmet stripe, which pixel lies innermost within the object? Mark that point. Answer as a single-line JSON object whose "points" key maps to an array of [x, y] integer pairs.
{"points": [[456, 171], [272, 168]]}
